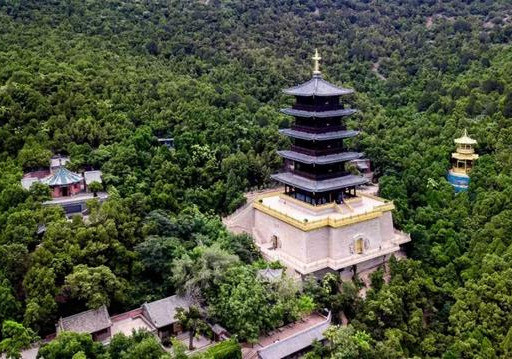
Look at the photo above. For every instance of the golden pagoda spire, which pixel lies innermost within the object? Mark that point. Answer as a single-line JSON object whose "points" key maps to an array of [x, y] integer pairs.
{"points": [[465, 139], [464, 156], [316, 58]]}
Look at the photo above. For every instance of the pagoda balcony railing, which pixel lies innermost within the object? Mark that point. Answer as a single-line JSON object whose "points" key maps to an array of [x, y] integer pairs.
{"points": [[317, 108], [322, 129], [466, 151], [461, 170], [318, 152], [318, 176]]}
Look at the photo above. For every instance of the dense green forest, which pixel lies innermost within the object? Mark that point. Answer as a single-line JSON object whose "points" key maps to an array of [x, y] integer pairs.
{"points": [[101, 80]]}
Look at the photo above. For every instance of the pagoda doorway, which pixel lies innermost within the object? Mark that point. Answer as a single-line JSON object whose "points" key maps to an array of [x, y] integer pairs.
{"points": [[359, 246]]}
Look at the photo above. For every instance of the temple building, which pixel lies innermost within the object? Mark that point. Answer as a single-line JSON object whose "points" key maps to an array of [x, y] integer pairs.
{"points": [[63, 182], [462, 159], [321, 221], [68, 189]]}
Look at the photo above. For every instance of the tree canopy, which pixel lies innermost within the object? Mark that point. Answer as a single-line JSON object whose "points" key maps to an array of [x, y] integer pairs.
{"points": [[101, 81]]}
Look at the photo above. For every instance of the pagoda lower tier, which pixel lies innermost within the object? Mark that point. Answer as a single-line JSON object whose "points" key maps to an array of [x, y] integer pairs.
{"points": [[312, 239], [315, 186], [319, 160], [318, 114], [320, 191]]}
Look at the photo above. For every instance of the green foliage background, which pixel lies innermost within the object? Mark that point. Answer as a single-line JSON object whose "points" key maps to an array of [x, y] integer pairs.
{"points": [[101, 80]]}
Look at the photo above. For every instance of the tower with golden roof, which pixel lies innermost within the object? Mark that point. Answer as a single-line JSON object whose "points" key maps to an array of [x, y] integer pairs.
{"points": [[463, 159]]}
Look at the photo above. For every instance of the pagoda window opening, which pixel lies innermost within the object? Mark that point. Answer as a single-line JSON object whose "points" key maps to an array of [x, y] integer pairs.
{"points": [[275, 242], [461, 165], [359, 246]]}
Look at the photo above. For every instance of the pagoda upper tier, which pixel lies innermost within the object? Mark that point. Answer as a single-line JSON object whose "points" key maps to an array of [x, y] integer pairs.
{"points": [[317, 86], [464, 155], [315, 165]]}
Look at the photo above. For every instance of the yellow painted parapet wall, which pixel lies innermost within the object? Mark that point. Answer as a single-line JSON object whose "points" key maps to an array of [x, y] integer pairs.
{"points": [[306, 225]]}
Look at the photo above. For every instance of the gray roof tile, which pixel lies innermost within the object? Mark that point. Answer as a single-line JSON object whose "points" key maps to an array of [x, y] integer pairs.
{"points": [[319, 160], [58, 160], [92, 176], [295, 343], [318, 114], [317, 86], [319, 186], [90, 321], [161, 312], [318, 136], [270, 274]]}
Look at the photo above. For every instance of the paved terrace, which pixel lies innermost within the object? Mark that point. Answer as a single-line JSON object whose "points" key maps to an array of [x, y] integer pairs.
{"points": [[295, 209], [130, 321], [81, 197]]}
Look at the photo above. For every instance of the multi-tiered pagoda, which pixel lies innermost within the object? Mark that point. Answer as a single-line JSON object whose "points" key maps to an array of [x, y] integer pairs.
{"points": [[319, 223], [315, 165], [463, 159]]}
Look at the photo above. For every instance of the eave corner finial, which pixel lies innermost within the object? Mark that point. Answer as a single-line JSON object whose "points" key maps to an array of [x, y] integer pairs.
{"points": [[316, 59]]}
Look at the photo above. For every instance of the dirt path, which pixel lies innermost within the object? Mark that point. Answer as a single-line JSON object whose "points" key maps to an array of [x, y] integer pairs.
{"points": [[430, 22], [375, 70]]}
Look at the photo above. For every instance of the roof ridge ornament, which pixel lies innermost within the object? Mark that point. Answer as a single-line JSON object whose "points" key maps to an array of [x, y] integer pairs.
{"points": [[316, 58]]}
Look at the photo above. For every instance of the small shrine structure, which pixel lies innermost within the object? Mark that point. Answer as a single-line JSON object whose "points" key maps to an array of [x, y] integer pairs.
{"points": [[68, 189], [462, 159]]}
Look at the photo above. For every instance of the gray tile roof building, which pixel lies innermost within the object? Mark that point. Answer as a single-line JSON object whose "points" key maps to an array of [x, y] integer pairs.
{"points": [[161, 312], [92, 176], [90, 321], [270, 275], [27, 182], [295, 343], [58, 160]]}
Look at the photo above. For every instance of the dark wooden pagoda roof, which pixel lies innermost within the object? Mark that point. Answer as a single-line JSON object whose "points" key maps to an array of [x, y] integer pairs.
{"points": [[319, 160], [319, 186], [317, 86], [326, 136], [318, 114]]}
